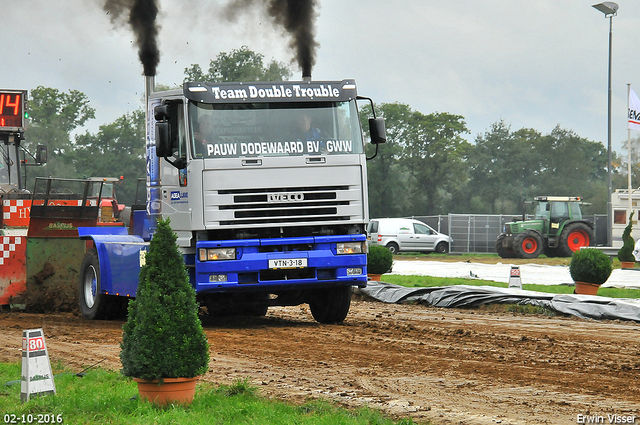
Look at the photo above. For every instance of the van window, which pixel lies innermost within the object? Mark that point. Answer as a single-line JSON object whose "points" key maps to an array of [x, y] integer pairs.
{"points": [[421, 229], [373, 227]]}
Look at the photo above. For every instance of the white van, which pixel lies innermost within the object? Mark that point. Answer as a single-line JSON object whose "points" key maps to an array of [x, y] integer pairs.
{"points": [[406, 234]]}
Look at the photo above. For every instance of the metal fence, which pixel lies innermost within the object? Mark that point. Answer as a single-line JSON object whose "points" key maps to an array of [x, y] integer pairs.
{"points": [[477, 233]]}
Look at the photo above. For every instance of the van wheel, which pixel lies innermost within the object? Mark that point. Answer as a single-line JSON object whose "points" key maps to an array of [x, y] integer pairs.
{"points": [[393, 247], [442, 248]]}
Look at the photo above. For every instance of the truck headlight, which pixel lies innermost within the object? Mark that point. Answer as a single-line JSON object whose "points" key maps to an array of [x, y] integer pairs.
{"points": [[214, 254], [351, 248]]}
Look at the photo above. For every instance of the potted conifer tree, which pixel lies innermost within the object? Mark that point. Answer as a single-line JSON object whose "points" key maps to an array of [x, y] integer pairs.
{"points": [[379, 261], [589, 269], [163, 344], [625, 254]]}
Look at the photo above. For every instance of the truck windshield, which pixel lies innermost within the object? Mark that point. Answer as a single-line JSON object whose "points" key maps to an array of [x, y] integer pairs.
{"points": [[274, 129]]}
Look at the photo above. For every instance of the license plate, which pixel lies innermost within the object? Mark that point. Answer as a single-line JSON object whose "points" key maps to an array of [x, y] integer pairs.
{"points": [[288, 263]]}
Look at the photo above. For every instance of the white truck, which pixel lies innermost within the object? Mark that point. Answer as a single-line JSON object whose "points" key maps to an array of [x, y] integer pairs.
{"points": [[265, 184]]}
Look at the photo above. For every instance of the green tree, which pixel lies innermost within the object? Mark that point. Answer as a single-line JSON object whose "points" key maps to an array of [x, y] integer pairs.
{"points": [[387, 190], [240, 64], [116, 150], [571, 166], [506, 168], [502, 169], [54, 115], [434, 153]]}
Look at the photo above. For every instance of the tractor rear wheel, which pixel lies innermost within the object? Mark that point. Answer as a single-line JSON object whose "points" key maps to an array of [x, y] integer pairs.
{"points": [[502, 251], [573, 237], [527, 244]]}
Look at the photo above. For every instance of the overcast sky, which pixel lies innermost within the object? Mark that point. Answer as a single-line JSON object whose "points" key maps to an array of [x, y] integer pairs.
{"points": [[535, 64]]}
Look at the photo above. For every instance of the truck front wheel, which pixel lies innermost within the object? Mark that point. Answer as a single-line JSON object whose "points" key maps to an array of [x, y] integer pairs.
{"points": [[527, 244], [330, 305], [573, 237], [93, 304]]}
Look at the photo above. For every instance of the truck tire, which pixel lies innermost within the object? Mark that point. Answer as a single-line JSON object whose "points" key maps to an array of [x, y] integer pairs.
{"points": [[501, 250], [527, 244], [442, 248], [93, 304], [125, 216], [573, 237], [260, 308], [393, 247], [330, 305]]}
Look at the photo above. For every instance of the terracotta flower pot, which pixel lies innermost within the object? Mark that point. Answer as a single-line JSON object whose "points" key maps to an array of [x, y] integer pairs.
{"points": [[172, 390], [374, 277], [585, 288], [627, 264]]}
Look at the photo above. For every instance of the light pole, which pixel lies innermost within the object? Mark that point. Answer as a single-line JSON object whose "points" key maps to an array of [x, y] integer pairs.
{"points": [[610, 9]]}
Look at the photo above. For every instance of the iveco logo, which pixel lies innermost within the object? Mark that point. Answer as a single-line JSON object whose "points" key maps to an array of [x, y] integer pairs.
{"points": [[285, 197]]}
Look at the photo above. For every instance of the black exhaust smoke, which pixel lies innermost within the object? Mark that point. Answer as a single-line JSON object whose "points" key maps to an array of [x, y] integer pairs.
{"points": [[297, 17], [141, 16]]}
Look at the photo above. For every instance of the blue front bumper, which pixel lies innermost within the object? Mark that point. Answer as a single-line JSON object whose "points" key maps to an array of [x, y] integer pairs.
{"points": [[250, 269]]}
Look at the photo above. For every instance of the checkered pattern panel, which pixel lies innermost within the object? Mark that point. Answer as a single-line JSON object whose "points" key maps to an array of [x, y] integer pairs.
{"points": [[8, 245], [11, 207]]}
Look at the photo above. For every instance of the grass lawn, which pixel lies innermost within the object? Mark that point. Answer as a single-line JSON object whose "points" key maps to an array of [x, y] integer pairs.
{"points": [[105, 397], [430, 281]]}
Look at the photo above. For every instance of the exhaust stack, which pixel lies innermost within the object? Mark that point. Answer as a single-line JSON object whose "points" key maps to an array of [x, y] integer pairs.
{"points": [[149, 89], [306, 77]]}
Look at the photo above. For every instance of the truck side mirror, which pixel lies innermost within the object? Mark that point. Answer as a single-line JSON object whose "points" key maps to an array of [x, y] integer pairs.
{"points": [[164, 139], [377, 130], [41, 154]]}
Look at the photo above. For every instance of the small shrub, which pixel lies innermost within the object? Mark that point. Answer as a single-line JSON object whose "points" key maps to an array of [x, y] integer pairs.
{"points": [[163, 336], [379, 260], [590, 265], [628, 244]]}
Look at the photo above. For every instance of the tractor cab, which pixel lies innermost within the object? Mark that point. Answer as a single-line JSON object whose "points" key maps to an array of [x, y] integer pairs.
{"points": [[554, 210]]}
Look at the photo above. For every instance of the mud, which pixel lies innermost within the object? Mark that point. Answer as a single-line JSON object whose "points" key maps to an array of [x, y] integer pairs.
{"points": [[447, 366]]}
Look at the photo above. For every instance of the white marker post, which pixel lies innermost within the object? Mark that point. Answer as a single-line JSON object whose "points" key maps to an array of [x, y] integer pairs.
{"points": [[37, 378], [514, 278]]}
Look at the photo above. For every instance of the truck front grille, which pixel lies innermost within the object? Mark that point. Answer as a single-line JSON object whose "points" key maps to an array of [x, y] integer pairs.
{"points": [[283, 205]]}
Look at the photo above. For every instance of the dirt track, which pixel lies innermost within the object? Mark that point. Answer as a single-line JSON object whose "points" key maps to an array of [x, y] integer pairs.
{"points": [[448, 366]]}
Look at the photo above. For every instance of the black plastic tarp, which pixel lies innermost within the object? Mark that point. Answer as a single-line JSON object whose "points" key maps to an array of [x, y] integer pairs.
{"points": [[465, 296]]}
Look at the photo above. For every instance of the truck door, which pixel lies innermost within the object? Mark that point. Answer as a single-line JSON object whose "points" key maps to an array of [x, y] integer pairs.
{"points": [[175, 194]]}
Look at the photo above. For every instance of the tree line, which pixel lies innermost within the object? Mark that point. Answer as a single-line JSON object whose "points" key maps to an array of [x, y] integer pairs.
{"points": [[427, 166]]}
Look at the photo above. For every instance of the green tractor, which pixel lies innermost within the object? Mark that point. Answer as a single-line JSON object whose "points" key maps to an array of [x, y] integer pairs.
{"points": [[557, 229]]}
